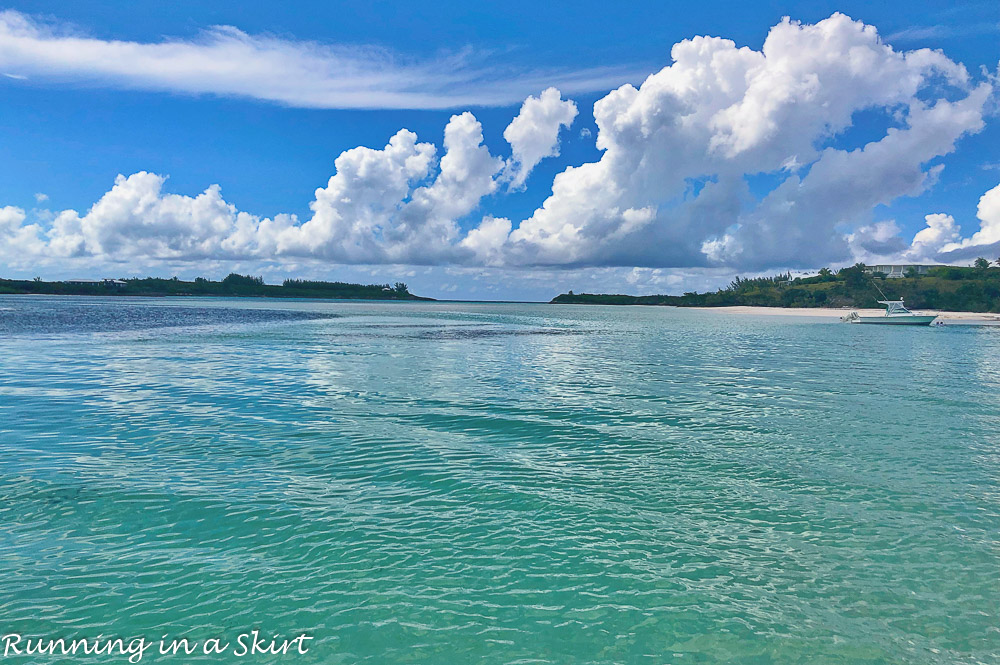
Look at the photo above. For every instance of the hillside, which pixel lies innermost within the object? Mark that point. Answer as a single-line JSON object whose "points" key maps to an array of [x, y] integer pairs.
{"points": [[975, 289]]}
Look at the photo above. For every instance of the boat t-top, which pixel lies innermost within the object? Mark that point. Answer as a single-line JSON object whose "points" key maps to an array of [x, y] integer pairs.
{"points": [[896, 314]]}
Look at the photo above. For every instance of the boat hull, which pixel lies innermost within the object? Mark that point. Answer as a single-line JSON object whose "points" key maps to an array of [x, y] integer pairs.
{"points": [[915, 320]]}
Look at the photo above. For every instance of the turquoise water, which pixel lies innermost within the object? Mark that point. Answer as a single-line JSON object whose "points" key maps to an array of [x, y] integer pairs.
{"points": [[478, 483]]}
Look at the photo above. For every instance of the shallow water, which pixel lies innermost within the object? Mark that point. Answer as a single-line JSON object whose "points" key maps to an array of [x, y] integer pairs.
{"points": [[477, 483]]}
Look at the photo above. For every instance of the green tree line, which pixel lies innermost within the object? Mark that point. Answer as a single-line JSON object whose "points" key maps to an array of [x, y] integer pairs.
{"points": [[233, 285], [951, 288]]}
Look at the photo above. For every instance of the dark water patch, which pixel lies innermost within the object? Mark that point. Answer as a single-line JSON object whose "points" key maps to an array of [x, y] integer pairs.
{"points": [[44, 317], [450, 333]]}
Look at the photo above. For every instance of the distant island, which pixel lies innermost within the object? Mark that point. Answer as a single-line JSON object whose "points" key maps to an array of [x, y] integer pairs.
{"points": [[974, 289], [233, 286]]}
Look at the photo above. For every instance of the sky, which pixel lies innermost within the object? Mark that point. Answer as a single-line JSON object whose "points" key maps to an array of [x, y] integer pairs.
{"points": [[496, 151]]}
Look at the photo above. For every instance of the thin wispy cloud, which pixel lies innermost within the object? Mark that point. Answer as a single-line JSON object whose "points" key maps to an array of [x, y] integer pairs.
{"points": [[226, 61], [922, 32]]}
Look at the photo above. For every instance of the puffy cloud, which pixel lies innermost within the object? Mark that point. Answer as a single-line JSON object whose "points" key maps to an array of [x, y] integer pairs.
{"points": [[20, 243], [372, 212], [486, 241], [466, 176], [940, 241], [671, 187], [797, 223], [534, 134], [11, 219], [361, 200], [135, 218], [227, 61], [398, 204], [875, 240], [984, 242], [988, 213], [941, 231]]}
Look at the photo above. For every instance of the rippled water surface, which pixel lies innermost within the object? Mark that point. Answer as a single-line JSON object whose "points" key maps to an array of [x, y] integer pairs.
{"points": [[462, 483]]}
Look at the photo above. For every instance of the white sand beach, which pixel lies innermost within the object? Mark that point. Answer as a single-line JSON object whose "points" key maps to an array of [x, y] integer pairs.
{"points": [[829, 312]]}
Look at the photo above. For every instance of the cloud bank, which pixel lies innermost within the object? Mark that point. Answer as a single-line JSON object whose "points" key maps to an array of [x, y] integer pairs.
{"points": [[672, 188]]}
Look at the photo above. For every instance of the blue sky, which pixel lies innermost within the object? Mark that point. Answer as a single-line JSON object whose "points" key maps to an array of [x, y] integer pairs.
{"points": [[67, 135]]}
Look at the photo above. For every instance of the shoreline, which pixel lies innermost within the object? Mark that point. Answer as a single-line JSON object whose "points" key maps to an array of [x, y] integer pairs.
{"points": [[829, 312]]}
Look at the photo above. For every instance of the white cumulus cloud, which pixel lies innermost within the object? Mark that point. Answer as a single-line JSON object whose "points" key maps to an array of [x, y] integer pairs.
{"points": [[952, 247], [869, 243], [940, 241], [534, 134], [988, 213], [136, 219], [672, 186], [398, 204], [487, 240], [373, 211], [927, 243]]}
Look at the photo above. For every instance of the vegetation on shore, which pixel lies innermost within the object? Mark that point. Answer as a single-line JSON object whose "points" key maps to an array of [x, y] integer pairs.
{"points": [[241, 286], [974, 289]]}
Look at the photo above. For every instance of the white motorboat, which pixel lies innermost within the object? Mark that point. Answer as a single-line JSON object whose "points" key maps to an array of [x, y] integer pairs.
{"points": [[896, 314]]}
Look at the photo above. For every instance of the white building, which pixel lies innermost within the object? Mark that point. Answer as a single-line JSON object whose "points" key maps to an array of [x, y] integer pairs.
{"points": [[893, 271], [107, 281]]}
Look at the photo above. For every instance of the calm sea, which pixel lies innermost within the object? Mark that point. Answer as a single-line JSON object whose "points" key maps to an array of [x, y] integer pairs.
{"points": [[449, 483]]}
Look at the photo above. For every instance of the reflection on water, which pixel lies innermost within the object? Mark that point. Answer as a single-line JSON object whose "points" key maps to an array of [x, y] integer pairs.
{"points": [[448, 483]]}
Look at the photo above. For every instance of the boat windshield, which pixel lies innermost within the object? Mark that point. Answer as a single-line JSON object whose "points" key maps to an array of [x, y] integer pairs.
{"points": [[894, 308]]}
